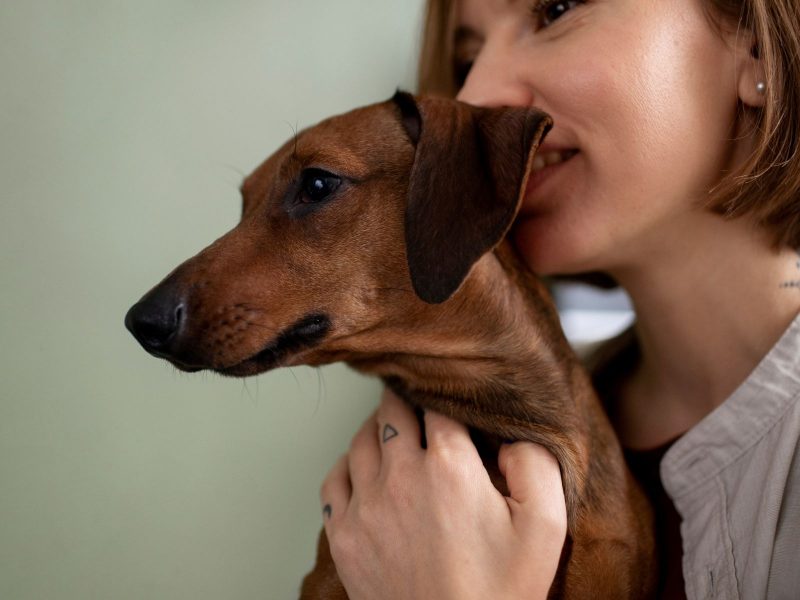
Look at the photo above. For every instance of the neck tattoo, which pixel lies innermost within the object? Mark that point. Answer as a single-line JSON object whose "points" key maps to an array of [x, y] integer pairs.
{"points": [[795, 283]]}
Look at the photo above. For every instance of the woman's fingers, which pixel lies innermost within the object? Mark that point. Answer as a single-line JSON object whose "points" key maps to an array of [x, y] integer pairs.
{"points": [[335, 492], [364, 457], [446, 435], [398, 430], [536, 493], [537, 505], [389, 498]]}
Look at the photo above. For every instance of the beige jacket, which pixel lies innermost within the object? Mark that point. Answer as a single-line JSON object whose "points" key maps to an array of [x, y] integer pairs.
{"points": [[735, 480]]}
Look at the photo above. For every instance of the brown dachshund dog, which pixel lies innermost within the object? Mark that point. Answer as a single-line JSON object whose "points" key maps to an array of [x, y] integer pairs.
{"points": [[376, 238]]}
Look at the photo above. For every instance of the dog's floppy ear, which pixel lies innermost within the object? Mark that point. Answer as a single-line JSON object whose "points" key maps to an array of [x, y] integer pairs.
{"points": [[468, 178]]}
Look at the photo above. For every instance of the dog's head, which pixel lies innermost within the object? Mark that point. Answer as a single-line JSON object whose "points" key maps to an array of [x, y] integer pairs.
{"points": [[354, 226]]}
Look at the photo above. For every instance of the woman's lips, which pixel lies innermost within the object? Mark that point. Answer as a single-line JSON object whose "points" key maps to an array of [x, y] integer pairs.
{"points": [[546, 164]]}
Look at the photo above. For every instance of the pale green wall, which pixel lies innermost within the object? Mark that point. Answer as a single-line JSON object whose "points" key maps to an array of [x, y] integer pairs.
{"points": [[125, 129]]}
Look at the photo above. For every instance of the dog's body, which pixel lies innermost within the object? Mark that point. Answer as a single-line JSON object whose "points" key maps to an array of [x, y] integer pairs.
{"points": [[338, 226]]}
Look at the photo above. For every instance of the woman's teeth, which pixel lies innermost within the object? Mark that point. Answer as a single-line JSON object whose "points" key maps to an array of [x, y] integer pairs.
{"points": [[540, 161]]}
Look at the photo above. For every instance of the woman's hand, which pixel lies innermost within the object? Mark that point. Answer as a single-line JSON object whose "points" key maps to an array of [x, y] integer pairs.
{"points": [[404, 522]]}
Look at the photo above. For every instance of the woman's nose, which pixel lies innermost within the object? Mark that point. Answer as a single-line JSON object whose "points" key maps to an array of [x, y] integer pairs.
{"points": [[495, 80]]}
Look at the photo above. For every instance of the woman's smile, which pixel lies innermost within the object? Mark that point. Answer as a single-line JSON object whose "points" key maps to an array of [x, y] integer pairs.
{"points": [[549, 163]]}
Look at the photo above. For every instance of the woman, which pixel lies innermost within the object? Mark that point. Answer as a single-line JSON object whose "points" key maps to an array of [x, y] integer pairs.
{"points": [[674, 168]]}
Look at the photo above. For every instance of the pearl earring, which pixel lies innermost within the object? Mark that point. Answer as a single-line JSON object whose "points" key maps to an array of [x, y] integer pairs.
{"points": [[761, 87]]}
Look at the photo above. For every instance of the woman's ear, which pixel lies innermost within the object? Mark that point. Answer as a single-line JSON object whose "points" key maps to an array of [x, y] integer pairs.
{"points": [[751, 77]]}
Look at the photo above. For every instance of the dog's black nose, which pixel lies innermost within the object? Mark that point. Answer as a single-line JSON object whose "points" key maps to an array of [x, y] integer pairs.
{"points": [[155, 322]]}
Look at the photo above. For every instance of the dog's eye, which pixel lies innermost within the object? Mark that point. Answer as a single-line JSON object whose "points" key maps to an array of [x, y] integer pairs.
{"points": [[317, 185]]}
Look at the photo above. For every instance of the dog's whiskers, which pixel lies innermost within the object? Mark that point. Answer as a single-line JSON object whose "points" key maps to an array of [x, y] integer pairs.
{"points": [[294, 132], [296, 380], [320, 389], [235, 169], [245, 388]]}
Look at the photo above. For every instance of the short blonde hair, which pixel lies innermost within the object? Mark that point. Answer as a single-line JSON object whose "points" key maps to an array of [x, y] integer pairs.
{"points": [[767, 186]]}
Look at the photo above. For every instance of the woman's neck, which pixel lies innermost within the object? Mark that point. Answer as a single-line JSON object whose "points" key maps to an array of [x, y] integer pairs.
{"points": [[708, 310]]}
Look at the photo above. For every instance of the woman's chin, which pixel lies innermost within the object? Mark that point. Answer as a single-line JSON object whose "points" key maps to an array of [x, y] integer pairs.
{"points": [[546, 249], [531, 238]]}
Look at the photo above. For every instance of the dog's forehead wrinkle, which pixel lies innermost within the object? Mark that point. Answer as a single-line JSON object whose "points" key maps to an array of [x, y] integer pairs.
{"points": [[257, 185], [331, 155], [289, 168], [369, 135]]}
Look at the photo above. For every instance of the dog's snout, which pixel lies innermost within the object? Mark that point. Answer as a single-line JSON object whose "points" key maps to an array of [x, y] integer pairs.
{"points": [[155, 323]]}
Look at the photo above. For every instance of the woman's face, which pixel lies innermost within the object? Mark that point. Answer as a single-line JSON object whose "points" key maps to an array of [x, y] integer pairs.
{"points": [[644, 98]]}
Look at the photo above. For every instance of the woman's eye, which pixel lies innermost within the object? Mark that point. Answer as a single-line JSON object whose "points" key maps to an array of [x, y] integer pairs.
{"points": [[317, 185], [547, 11]]}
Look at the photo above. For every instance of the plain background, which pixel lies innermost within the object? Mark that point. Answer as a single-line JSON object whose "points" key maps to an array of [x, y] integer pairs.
{"points": [[125, 130]]}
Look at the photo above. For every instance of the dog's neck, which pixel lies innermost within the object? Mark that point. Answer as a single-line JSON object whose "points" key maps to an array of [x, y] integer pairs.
{"points": [[499, 330], [494, 358]]}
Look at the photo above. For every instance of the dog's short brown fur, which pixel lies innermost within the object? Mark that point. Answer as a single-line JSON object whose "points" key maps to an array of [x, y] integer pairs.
{"points": [[376, 238]]}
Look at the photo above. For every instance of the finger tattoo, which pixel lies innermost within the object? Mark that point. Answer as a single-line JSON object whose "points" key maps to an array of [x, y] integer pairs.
{"points": [[327, 510], [389, 432]]}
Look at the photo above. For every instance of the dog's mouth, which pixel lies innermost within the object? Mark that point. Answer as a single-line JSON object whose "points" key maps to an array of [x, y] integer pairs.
{"points": [[302, 335]]}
